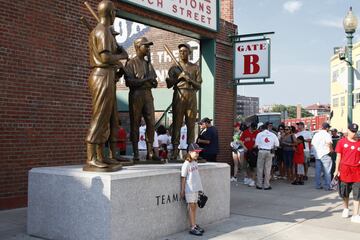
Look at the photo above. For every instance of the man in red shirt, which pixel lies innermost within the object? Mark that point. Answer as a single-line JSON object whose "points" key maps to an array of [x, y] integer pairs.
{"points": [[248, 138], [348, 170]]}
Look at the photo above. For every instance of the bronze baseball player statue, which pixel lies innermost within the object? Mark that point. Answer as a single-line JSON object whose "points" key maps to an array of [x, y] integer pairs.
{"points": [[140, 77], [185, 78], [105, 63]]}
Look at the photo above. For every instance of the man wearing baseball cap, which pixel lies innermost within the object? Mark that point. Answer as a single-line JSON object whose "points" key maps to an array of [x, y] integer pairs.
{"points": [[209, 140], [347, 169], [140, 77], [186, 81], [322, 145]]}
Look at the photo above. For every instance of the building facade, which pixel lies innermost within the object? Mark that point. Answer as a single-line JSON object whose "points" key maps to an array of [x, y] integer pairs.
{"points": [[46, 105], [246, 106], [318, 109], [339, 90]]}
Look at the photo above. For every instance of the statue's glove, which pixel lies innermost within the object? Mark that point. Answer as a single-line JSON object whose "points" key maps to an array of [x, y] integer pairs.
{"points": [[184, 76]]}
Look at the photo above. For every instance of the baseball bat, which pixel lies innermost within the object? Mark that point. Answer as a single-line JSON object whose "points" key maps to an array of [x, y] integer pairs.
{"points": [[172, 57], [92, 11]]}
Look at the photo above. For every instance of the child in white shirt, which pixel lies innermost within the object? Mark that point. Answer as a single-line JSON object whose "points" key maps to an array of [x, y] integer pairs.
{"points": [[191, 185]]}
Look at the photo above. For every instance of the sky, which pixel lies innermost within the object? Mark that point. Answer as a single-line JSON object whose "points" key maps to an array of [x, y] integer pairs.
{"points": [[306, 32]]}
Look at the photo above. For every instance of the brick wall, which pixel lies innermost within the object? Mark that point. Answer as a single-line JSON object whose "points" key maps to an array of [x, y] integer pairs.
{"points": [[227, 10], [225, 92], [45, 103]]}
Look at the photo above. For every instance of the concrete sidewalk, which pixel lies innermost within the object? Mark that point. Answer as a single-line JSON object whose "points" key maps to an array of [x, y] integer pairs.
{"points": [[285, 212]]}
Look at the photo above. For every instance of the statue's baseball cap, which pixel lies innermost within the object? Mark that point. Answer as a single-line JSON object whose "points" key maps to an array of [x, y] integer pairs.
{"points": [[184, 45], [193, 147], [142, 41], [353, 127]]}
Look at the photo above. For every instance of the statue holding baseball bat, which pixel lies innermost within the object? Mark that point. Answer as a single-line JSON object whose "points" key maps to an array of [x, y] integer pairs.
{"points": [[105, 64], [185, 79]]}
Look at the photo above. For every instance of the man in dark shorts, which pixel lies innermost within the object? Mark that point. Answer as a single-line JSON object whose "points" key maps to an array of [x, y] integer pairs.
{"points": [[248, 138], [348, 171]]}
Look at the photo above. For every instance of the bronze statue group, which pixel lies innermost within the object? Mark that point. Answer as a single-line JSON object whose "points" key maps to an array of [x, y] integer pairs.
{"points": [[106, 61]]}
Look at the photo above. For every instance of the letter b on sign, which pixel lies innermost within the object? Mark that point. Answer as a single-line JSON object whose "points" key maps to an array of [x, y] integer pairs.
{"points": [[251, 65], [252, 59]]}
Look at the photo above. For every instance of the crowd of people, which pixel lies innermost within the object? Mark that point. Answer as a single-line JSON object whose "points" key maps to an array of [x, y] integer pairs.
{"points": [[262, 153], [162, 146]]}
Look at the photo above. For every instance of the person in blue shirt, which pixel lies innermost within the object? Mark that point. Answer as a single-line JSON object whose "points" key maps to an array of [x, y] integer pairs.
{"points": [[208, 140]]}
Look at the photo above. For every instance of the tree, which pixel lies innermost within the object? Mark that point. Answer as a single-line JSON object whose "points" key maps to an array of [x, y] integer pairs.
{"points": [[291, 110]]}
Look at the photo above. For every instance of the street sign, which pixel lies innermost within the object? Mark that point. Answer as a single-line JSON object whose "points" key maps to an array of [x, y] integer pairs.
{"points": [[251, 58], [203, 13]]}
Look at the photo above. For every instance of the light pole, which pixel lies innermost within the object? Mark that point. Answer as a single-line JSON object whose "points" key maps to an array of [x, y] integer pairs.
{"points": [[350, 25]]}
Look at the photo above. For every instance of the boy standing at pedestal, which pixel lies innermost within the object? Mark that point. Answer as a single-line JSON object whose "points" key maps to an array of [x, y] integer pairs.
{"points": [[191, 186]]}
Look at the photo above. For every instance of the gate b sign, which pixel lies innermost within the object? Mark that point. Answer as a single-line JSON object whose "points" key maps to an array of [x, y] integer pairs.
{"points": [[252, 59]]}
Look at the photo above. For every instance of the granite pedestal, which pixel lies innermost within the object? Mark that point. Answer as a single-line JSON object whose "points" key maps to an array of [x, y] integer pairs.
{"points": [[138, 202]]}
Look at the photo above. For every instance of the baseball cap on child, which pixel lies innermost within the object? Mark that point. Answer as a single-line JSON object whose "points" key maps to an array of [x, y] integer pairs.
{"points": [[193, 147]]}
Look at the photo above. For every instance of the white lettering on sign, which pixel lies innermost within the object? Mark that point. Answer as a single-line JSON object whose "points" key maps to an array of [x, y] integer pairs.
{"points": [[252, 59], [199, 12]]}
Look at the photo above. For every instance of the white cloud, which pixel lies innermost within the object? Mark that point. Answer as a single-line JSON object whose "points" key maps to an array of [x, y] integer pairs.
{"points": [[292, 6], [336, 23]]}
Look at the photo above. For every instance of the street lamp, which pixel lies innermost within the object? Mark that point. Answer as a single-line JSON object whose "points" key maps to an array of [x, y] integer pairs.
{"points": [[350, 24]]}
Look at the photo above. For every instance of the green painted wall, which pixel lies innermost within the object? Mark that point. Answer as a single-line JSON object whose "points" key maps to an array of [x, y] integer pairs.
{"points": [[208, 66], [162, 99]]}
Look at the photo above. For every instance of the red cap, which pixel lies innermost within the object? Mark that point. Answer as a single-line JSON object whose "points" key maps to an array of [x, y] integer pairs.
{"points": [[237, 125]]}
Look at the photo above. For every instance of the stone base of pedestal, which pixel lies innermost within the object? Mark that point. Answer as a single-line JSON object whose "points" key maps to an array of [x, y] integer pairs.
{"points": [[138, 202]]}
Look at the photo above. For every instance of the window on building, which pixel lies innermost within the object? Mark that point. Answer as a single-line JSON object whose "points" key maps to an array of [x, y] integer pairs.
{"points": [[342, 102], [356, 98], [335, 102], [335, 75]]}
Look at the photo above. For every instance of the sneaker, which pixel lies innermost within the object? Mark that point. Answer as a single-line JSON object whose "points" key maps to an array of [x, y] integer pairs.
{"points": [[355, 219], [247, 181], [195, 231], [295, 183], [345, 213], [257, 187], [199, 228], [251, 183], [268, 188], [301, 183], [233, 179]]}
